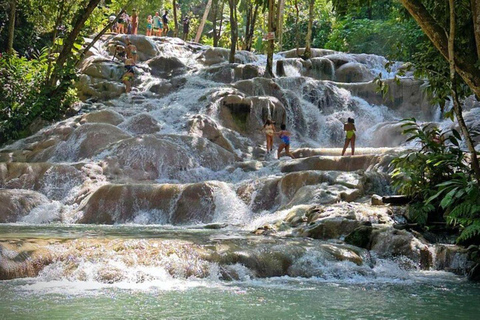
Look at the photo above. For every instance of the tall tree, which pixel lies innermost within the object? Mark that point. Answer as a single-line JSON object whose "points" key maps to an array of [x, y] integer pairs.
{"points": [[271, 41], [11, 25], [175, 20], [233, 28], [280, 13], [308, 40], [202, 23], [252, 11], [82, 16], [457, 108], [465, 60]]}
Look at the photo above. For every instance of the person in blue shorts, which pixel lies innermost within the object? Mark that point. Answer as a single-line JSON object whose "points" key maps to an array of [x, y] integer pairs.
{"points": [[284, 135]]}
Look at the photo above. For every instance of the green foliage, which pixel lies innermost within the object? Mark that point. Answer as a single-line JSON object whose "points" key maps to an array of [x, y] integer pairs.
{"points": [[27, 98], [438, 178]]}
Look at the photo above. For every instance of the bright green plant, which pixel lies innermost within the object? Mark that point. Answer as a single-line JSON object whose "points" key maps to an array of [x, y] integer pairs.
{"points": [[438, 178]]}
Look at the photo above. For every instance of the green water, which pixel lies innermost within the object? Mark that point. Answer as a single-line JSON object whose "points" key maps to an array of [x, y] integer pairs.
{"points": [[385, 295], [261, 299]]}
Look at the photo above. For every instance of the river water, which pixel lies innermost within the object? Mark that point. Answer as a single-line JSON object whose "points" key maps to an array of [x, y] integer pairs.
{"points": [[392, 293]]}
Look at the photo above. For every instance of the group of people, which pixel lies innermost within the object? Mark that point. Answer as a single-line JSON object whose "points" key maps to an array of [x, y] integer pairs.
{"points": [[156, 25], [126, 24], [128, 55], [284, 135]]}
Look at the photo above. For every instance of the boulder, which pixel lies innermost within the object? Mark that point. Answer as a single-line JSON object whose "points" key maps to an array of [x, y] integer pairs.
{"points": [[353, 72], [388, 243], [376, 200], [161, 88], [89, 87], [151, 157], [166, 67], [88, 140], [330, 228], [206, 127], [103, 69], [146, 47], [103, 116], [213, 56], [142, 123], [360, 237], [150, 203], [17, 203]]}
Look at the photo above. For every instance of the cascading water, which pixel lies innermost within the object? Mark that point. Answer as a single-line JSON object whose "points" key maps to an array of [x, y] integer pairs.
{"points": [[158, 192]]}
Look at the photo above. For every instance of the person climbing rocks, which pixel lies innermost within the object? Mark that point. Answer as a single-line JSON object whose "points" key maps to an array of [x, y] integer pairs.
{"points": [[186, 27], [157, 25], [119, 52], [165, 23], [350, 129], [131, 51], [284, 135], [128, 76], [269, 129]]}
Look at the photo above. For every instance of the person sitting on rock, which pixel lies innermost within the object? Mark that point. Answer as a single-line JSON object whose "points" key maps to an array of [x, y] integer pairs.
{"points": [[284, 135], [131, 51], [350, 129], [127, 77]]}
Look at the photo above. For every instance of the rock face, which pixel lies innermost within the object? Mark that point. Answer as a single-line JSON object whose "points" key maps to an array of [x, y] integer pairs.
{"points": [[166, 67], [88, 140], [18, 203]]}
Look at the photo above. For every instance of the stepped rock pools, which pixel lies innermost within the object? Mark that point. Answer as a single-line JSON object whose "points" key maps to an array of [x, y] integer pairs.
{"points": [[171, 188]]}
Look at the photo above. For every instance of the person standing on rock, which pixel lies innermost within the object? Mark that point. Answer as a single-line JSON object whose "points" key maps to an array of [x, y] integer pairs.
{"points": [[269, 129], [157, 25], [284, 135], [186, 27], [134, 22], [350, 129], [149, 25], [165, 23]]}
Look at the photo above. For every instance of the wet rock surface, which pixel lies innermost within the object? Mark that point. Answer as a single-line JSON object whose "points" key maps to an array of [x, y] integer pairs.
{"points": [[186, 148]]}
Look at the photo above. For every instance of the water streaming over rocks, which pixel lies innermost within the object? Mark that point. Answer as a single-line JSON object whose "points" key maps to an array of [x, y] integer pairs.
{"points": [[173, 182]]}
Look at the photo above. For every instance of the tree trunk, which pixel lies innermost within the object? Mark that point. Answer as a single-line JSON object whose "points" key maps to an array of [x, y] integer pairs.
{"points": [[175, 20], [202, 23], [308, 40], [233, 28], [475, 4], [464, 65], [252, 11], [271, 42], [214, 22], [54, 37], [281, 10], [457, 108], [11, 25], [66, 52], [99, 35], [297, 28]]}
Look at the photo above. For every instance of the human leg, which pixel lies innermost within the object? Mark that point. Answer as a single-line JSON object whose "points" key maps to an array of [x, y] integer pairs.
{"points": [[287, 151], [352, 144], [347, 141], [280, 149]]}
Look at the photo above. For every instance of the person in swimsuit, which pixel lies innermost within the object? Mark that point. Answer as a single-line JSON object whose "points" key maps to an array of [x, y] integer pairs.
{"points": [[284, 135], [131, 51], [134, 21], [350, 129], [269, 129], [127, 77], [149, 25]]}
